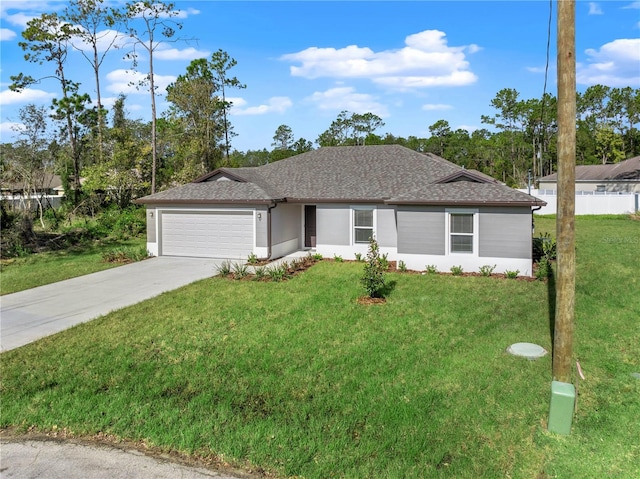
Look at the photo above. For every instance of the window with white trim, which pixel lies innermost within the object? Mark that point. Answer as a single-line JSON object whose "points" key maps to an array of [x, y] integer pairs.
{"points": [[461, 232], [362, 225]]}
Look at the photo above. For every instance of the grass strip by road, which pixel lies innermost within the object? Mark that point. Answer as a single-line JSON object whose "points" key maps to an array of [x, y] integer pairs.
{"points": [[299, 379], [39, 269]]}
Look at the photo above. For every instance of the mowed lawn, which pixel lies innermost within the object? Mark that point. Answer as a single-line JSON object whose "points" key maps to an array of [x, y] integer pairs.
{"points": [[299, 380], [39, 269]]}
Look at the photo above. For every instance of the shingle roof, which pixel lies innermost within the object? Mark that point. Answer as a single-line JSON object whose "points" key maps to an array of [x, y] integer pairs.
{"points": [[625, 170], [213, 192], [465, 193], [349, 174]]}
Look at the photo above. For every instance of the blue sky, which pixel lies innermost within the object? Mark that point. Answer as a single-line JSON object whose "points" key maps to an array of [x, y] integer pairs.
{"points": [[411, 63]]}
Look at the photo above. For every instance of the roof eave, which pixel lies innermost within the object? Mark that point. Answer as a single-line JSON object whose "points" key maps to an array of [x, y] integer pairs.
{"points": [[465, 203], [335, 200], [142, 201]]}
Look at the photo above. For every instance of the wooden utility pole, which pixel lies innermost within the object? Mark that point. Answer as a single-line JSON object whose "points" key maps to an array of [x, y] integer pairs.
{"points": [[565, 219]]}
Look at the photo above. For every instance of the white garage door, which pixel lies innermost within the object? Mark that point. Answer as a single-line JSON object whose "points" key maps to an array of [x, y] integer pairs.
{"points": [[207, 234]]}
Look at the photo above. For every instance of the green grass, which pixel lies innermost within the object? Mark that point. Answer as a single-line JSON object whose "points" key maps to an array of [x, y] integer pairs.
{"points": [[299, 379], [39, 269]]}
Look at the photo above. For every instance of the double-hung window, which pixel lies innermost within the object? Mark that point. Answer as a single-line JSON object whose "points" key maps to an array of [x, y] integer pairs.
{"points": [[362, 225], [461, 232]]}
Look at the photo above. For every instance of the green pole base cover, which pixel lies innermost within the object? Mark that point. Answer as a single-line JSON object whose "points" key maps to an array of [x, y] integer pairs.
{"points": [[563, 400]]}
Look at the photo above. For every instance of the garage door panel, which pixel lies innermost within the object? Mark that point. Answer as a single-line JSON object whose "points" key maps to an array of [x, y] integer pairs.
{"points": [[207, 234]]}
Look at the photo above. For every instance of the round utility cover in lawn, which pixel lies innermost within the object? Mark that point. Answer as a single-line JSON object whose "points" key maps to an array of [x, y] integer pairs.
{"points": [[527, 350]]}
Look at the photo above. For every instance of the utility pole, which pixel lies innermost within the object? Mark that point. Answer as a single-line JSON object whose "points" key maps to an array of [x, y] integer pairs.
{"points": [[563, 393], [565, 219]]}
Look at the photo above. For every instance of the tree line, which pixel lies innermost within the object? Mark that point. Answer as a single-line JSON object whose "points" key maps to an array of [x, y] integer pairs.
{"points": [[104, 156]]}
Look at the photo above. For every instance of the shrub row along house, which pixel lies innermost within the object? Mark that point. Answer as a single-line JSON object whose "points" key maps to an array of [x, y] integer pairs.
{"points": [[422, 210]]}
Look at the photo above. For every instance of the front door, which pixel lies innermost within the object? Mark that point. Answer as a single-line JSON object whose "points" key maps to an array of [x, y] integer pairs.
{"points": [[309, 226]]}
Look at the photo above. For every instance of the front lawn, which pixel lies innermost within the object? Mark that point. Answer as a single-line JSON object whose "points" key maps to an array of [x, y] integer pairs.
{"points": [[298, 379], [39, 269]]}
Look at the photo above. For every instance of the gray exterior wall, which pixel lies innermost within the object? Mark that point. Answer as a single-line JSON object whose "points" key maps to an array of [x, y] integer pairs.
{"points": [[505, 232], [386, 230], [261, 226], [285, 223], [421, 230], [333, 224], [151, 225]]}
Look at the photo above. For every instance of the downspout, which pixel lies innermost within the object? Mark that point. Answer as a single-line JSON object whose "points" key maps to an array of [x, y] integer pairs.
{"points": [[269, 208]]}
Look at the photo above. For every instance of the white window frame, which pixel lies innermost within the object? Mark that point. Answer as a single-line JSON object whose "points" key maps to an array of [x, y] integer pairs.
{"points": [[353, 223], [476, 229]]}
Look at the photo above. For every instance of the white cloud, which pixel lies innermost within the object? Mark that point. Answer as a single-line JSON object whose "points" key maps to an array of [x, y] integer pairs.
{"points": [[105, 39], [276, 104], [177, 54], [28, 95], [615, 64], [346, 98], [9, 129], [187, 12], [426, 60], [157, 8], [594, 9], [469, 128], [436, 107], [633, 5], [6, 34], [127, 81]]}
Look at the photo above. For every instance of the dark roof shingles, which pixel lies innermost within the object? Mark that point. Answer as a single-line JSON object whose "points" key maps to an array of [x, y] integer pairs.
{"points": [[356, 173]]}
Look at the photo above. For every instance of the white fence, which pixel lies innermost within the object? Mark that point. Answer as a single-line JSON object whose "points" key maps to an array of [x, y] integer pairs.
{"points": [[19, 202], [590, 203]]}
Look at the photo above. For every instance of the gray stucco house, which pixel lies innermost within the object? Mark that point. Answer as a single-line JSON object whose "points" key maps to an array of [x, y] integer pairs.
{"points": [[421, 209]]}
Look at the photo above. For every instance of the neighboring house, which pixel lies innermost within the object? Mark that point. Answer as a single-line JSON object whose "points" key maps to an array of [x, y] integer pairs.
{"points": [[421, 209], [623, 177], [47, 189]]}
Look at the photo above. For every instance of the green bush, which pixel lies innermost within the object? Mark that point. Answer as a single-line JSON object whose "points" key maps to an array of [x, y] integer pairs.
{"points": [[224, 269], [402, 266], [240, 270], [511, 274], [125, 255], [543, 270], [486, 270], [544, 246], [431, 269], [373, 277], [456, 270]]}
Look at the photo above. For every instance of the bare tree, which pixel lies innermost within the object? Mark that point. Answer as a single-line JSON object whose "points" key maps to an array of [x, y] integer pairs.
{"points": [[158, 25]]}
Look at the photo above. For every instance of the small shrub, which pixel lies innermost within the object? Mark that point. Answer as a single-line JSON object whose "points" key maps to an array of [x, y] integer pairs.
{"points": [[511, 274], [125, 255], [337, 258], [486, 270], [317, 257], [402, 266], [252, 258], [456, 270], [240, 270], [544, 269], [296, 264], [373, 275], [544, 246], [277, 272], [431, 269], [358, 257], [260, 273], [384, 261], [225, 268]]}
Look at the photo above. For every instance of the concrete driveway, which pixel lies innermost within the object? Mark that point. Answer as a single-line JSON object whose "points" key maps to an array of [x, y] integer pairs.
{"points": [[33, 314]]}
